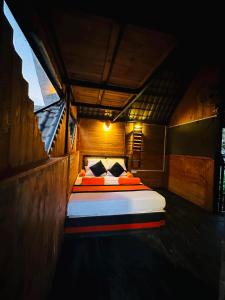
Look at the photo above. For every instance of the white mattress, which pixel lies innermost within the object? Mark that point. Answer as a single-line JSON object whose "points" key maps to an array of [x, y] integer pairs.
{"points": [[114, 203]]}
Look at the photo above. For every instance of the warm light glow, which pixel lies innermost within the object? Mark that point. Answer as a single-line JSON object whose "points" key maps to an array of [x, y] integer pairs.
{"points": [[137, 126], [107, 125]]}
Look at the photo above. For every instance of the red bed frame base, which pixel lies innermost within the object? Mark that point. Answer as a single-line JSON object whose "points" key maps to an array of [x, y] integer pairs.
{"points": [[114, 227]]}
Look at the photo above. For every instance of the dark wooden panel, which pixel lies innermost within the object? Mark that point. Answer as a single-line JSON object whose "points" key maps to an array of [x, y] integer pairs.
{"points": [[32, 212], [153, 179], [192, 177], [153, 147], [83, 42], [88, 51], [20, 139], [197, 138], [141, 51], [199, 100]]}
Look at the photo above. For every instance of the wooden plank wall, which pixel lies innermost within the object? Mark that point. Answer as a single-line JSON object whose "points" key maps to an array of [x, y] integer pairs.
{"points": [[192, 177], [73, 153], [33, 188], [152, 156], [20, 139], [190, 170], [94, 140], [198, 102], [32, 212], [58, 148]]}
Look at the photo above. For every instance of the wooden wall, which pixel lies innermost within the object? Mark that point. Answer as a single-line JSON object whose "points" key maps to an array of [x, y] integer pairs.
{"points": [[33, 188], [199, 100], [32, 212], [73, 153], [192, 142], [152, 167], [93, 140], [192, 177], [20, 139]]}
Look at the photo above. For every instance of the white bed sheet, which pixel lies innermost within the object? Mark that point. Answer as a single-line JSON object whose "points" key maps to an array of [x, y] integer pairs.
{"points": [[114, 203]]}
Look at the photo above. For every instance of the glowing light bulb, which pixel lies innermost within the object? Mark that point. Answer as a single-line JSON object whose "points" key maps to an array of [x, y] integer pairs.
{"points": [[107, 125]]}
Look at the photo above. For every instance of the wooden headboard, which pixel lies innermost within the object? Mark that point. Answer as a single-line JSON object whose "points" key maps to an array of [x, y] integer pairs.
{"points": [[84, 162]]}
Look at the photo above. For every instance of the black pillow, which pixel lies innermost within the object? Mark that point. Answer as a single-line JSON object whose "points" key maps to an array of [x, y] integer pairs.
{"points": [[116, 170], [98, 168]]}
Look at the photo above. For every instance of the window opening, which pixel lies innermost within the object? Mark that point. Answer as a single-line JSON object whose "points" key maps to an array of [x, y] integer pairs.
{"points": [[40, 91]]}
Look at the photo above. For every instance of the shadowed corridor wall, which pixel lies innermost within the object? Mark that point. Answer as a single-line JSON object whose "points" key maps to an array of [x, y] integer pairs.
{"points": [[192, 140]]}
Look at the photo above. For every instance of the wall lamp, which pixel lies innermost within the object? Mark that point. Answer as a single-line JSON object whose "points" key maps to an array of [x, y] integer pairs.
{"points": [[107, 125]]}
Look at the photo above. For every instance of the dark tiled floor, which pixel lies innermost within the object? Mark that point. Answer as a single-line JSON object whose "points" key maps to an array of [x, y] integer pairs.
{"points": [[180, 261]]}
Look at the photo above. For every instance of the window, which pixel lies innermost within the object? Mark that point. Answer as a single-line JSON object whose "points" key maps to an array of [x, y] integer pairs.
{"points": [[41, 90]]}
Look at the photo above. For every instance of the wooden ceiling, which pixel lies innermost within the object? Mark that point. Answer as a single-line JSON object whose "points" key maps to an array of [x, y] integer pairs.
{"points": [[100, 52], [107, 57]]}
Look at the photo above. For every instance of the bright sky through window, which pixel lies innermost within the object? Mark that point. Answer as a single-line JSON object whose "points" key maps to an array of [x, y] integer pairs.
{"points": [[41, 90]]}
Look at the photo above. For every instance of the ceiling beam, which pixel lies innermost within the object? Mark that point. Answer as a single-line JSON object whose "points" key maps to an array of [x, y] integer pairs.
{"points": [[101, 86], [97, 106], [113, 47]]}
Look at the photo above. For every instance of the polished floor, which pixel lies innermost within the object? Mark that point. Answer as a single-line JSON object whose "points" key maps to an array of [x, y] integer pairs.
{"points": [[180, 261]]}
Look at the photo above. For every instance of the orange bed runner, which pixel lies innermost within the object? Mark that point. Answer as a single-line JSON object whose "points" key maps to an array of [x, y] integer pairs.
{"points": [[92, 181], [109, 188], [127, 181]]}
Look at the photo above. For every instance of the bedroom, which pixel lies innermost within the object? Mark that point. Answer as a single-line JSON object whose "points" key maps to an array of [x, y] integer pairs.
{"points": [[126, 90]]}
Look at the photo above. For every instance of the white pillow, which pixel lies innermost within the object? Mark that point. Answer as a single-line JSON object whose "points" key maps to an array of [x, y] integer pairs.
{"points": [[88, 171]]}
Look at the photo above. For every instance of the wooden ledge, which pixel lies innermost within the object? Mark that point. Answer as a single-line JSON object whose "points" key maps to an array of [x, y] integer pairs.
{"points": [[31, 169]]}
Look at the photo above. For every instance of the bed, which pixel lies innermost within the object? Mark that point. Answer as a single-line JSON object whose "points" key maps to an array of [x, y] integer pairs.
{"points": [[109, 204]]}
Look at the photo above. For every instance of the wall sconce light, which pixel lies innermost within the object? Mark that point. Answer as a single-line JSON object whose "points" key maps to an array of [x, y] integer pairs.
{"points": [[137, 126], [107, 125]]}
